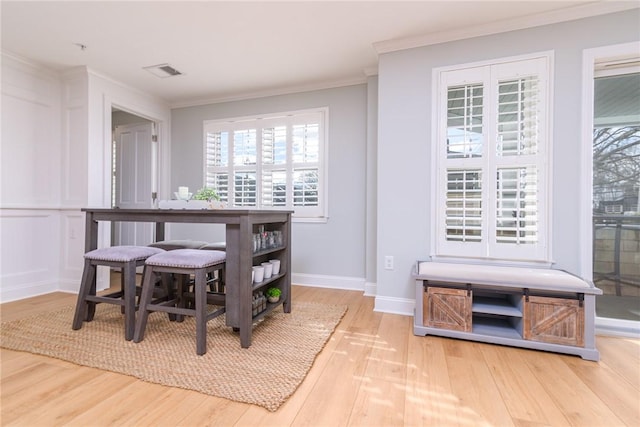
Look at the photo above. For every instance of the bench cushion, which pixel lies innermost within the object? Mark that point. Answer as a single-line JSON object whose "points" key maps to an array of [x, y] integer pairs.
{"points": [[523, 277]]}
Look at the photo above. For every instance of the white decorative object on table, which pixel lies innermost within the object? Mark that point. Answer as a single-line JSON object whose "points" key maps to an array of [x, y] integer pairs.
{"points": [[183, 193]]}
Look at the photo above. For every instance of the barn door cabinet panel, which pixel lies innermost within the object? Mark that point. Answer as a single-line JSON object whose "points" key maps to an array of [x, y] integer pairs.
{"points": [[554, 320], [447, 308], [540, 309]]}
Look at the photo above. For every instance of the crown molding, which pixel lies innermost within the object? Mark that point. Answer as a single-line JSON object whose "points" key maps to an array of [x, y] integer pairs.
{"points": [[536, 20], [29, 64], [371, 71], [272, 92]]}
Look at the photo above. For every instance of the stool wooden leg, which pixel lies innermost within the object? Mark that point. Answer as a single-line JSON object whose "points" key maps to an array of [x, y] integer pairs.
{"points": [[123, 285], [88, 276], [168, 283], [148, 283], [182, 287], [200, 293], [129, 296]]}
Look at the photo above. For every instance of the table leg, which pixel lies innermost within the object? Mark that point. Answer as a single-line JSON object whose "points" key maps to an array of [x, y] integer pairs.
{"points": [[90, 233]]}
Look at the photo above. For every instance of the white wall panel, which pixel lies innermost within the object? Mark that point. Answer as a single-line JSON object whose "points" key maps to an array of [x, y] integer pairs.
{"points": [[74, 139], [71, 254], [30, 172], [29, 259], [55, 159], [30, 175]]}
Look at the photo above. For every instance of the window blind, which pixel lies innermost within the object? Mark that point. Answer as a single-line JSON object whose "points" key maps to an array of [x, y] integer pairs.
{"points": [[276, 161], [492, 176]]}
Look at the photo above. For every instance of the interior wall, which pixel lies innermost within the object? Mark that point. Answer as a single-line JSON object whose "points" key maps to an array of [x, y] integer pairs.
{"points": [[30, 179], [405, 140], [55, 156], [331, 253]]}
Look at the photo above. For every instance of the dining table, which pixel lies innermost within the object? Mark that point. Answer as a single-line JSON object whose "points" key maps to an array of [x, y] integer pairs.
{"points": [[241, 225]]}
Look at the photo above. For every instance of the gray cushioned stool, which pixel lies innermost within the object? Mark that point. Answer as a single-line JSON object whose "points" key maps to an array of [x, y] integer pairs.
{"points": [[127, 258], [184, 262], [216, 284], [172, 245], [216, 246]]}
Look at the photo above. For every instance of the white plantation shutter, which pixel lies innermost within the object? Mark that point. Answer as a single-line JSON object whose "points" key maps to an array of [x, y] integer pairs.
{"points": [[244, 189], [274, 188], [217, 159], [464, 205], [517, 206], [306, 143], [305, 187], [244, 147], [492, 161], [464, 121], [276, 161], [518, 111]]}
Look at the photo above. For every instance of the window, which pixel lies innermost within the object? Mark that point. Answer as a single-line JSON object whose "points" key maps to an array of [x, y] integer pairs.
{"points": [[491, 160], [269, 162]]}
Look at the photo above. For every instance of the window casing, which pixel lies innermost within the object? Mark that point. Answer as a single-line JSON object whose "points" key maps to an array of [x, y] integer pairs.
{"points": [[272, 161], [491, 160]]}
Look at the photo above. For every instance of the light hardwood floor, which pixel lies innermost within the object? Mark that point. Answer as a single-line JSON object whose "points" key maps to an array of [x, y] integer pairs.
{"points": [[372, 372]]}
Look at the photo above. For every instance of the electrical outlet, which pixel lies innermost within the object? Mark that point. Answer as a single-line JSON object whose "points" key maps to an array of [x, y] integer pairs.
{"points": [[388, 262]]}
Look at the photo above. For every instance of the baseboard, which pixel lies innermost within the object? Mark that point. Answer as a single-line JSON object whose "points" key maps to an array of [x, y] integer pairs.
{"points": [[617, 327], [394, 305], [332, 282], [24, 291], [370, 289]]}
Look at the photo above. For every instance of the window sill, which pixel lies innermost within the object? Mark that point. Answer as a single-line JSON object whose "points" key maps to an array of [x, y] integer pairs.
{"points": [[310, 220]]}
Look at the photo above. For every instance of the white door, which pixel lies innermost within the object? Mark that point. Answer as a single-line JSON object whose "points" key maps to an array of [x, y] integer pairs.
{"points": [[133, 173]]}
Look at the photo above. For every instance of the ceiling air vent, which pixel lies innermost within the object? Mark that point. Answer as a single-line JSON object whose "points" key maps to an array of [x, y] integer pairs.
{"points": [[162, 70]]}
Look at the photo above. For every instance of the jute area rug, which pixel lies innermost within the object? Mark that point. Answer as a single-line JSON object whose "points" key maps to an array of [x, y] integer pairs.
{"points": [[283, 348]]}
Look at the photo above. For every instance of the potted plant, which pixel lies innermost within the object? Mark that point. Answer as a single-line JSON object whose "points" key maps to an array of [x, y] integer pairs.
{"points": [[210, 196], [207, 194], [273, 294]]}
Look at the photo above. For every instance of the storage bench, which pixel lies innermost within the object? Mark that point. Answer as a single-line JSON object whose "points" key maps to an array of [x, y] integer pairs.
{"points": [[535, 308]]}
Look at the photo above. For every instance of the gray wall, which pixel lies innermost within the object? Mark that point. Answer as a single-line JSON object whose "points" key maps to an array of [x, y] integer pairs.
{"points": [[405, 214], [334, 248]]}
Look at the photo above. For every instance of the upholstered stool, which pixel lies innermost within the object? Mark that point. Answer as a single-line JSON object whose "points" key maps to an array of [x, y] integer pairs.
{"points": [[183, 262], [216, 284], [172, 245], [127, 258], [216, 246]]}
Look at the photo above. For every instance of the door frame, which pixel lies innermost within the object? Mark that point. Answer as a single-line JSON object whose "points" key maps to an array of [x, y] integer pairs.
{"points": [[111, 96], [589, 59], [157, 154]]}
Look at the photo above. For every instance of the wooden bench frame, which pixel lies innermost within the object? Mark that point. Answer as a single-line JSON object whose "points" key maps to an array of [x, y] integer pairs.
{"points": [[536, 308]]}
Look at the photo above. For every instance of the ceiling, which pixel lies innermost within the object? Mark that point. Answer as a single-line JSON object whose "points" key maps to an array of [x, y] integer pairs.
{"points": [[234, 50]]}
